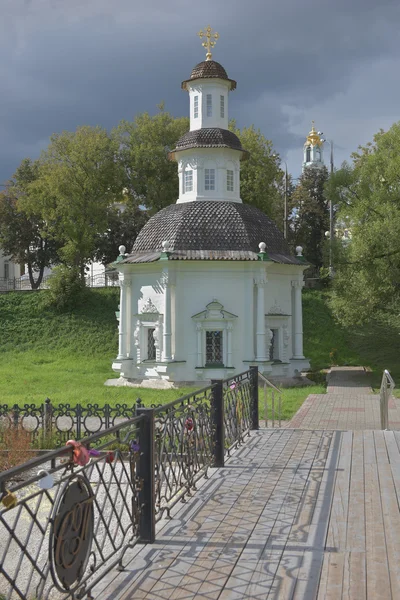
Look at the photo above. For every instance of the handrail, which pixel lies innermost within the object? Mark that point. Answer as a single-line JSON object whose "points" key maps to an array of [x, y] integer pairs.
{"points": [[269, 383], [385, 392]]}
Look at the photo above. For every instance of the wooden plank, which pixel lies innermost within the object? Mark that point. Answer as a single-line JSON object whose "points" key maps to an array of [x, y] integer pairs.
{"points": [[337, 531], [390, 511]]}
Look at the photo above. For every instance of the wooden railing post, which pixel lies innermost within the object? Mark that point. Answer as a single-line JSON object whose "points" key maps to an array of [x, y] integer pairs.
{"points": [[218, 422], [146, 474], [254, 397]]}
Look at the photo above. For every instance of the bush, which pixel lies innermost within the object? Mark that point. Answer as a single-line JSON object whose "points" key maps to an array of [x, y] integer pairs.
{"points": [[66, 288]]}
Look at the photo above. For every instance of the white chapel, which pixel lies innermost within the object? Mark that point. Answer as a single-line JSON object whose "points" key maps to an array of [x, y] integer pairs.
{"points": [[210, 286]]}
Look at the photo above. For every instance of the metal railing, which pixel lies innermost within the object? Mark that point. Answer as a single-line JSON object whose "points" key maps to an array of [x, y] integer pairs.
{"points": [[59, 423], [386, 391], [272, 402], [64, 522], [23, 283]]}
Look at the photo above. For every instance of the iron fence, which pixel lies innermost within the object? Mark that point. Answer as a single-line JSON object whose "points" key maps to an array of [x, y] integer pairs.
{"points": [[60, 422], [65, 522], [23, 283], [237, 396]]}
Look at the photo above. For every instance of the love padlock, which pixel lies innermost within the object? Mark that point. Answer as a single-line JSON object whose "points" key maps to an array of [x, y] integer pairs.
{"points": [[47, 481], [9, 500]]}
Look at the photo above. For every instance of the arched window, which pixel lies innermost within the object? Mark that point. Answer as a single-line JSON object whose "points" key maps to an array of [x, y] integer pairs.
{"points": [[308, 154], [318, 154]]}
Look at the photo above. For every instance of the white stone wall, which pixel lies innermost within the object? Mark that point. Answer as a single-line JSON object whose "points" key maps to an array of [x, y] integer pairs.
{"points": [[193, 286], [220, 159], [200, 88], [8, 268]]}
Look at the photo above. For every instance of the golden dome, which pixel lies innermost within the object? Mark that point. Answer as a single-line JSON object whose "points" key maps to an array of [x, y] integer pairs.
{"points": [[313, 138]]}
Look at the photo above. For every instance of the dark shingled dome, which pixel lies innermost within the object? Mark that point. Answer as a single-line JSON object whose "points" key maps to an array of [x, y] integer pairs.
{"points": [[209, 137], [209, 69], [211, 225]]}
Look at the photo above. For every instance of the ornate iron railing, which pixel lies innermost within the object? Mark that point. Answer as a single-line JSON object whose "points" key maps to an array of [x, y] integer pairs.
{"points": [[386, 391], [109, 279], [271, 401], [184, 447], [64, 524], [237, 398], [63, 421]]}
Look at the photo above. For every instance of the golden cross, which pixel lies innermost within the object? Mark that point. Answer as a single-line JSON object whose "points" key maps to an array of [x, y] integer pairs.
{"points": [[209, 42]]}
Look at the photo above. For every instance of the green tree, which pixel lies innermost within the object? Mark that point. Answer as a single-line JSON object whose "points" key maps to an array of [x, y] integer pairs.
{"points": [[310, 217], [150, 178], [261, 178], [123, 227], [24, 235], [79, 177], [367, 273]]}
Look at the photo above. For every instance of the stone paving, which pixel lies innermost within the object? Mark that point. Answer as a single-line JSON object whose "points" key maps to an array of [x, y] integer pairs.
{"points": [[349, 404]]}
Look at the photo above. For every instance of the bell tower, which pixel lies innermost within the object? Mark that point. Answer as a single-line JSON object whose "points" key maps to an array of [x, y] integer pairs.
{"points": [[313, 153]]}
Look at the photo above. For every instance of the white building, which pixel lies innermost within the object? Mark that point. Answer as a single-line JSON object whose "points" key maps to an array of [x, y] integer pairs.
{"points": [[9, 270], [210, 286]]}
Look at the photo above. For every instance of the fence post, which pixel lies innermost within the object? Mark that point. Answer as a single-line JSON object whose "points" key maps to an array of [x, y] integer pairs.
{"points": [[254, 397], [218, 422], [146, 474], [78, 414], [47, 418], [16, 411]]}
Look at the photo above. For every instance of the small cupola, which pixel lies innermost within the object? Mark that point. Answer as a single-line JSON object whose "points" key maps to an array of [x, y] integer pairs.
{"points": [[313, 149]]}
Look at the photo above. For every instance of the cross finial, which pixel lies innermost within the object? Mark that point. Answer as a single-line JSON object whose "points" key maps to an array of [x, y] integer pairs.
{"points": [[210, 41]]}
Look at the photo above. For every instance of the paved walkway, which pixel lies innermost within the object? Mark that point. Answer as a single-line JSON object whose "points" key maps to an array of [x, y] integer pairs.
{"points": [[294, 515], [349, 404]]}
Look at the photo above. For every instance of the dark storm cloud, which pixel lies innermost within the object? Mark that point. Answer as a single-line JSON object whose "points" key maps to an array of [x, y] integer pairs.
{"points": [[97, 61]]}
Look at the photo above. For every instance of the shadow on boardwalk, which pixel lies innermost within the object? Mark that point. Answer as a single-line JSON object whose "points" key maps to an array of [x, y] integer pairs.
{"points": [[290, 516]]}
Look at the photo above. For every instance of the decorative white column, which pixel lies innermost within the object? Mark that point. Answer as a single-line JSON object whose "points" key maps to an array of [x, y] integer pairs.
{"points": [[124, 283], [297, 319], [199, 334], [167, 331], [260, 321], [229, 328]]}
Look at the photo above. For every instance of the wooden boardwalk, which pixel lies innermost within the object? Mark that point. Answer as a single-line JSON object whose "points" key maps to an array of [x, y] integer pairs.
{"points": [[295, 514]]}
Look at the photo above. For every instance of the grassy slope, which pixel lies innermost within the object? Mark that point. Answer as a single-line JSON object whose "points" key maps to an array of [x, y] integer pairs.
{"points": [[376, 345], [68, 357]]}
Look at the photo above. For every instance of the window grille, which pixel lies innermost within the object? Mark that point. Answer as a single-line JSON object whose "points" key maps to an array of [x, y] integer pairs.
{"points": [[196, 107], [214, 348], [222, 106], [188, 187], [209, 105], [151, 344], [209, 179], [229, 180]]}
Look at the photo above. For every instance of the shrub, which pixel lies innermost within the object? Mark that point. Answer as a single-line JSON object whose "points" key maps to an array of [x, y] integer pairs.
{"points": [[66, 288]]}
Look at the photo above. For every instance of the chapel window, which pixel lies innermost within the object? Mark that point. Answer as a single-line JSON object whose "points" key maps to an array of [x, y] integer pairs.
{"points": [[151, 344], [308, 154], [6, 271], [274, 347], [222, 106], [188, 185], [214, 348], [209, 105], [229, 180], [196, 107], [209, 179]]}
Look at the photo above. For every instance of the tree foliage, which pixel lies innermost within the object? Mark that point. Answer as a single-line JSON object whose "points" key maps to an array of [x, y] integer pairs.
{"points": [[310, 218], [78, 180], [149, 177], [123, 227], [24, 234], [367, 279], [261, 179]]}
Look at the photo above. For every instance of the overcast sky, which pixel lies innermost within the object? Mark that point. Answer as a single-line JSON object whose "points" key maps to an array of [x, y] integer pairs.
{"points": [[67, 63]]}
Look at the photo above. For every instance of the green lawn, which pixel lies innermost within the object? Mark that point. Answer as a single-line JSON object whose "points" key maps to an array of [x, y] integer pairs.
{"points": [[67, 357]]}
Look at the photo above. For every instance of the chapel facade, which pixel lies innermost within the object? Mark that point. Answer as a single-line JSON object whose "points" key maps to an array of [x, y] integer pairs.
{"points": [[210, 286]]}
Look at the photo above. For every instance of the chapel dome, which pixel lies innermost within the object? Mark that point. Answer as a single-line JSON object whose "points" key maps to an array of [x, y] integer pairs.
{"points": [[209, 137], [209, 69], [212, 225]]}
